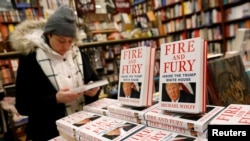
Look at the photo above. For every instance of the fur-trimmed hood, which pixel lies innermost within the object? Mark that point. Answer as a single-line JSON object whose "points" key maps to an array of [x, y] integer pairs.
{"points": [[28, 35]]}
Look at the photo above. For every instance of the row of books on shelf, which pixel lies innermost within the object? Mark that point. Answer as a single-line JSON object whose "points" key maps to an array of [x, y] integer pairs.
{"points": [[99, 121]]}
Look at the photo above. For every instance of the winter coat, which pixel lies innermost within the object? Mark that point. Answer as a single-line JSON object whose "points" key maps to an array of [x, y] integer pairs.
{"points": [[35, 95]]}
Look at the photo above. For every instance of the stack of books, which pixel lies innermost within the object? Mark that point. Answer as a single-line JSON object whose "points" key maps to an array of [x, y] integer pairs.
{"points": [[86, 126], [129, 113], [100, 106], [193, 125]]}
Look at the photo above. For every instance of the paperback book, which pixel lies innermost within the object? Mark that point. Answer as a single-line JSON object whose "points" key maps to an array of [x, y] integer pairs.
{"points": [[100, 106], [107, 129], [228, 81], [233, 114], [183, 76], [131, 111], [136, 76], [197, 122]]}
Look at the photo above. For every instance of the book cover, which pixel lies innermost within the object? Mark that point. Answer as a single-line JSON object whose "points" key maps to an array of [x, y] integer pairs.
{"points": [[100, 106], [136, 76], [128, 118], [183, 76], [233, 114], [137, 112], [150, 134], [179, 130], [197, 122], [106, 129], [73, 121], [228, 82], [181, 137]]}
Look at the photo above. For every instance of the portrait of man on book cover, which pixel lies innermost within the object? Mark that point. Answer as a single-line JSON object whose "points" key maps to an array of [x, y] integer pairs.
{"points": [[86, 120], [118, 131], [130, 90], [178, 92]]}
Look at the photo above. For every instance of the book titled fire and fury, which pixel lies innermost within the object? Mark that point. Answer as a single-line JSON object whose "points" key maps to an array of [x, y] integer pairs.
{"points": [[131, 111], [74, 121], [233, 114], [100, 106], [197, 122], [136, 76], [183, 68], [150, 134], [107, 129]]}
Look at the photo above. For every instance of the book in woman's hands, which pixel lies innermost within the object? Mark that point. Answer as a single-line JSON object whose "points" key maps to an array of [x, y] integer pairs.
{"points": [[90, 86]]}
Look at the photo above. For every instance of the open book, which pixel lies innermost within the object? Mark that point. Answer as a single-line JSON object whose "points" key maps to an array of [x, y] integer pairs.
{"points": [[90, 86]]}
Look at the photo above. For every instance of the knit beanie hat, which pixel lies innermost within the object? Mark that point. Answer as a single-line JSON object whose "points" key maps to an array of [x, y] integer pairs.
{"points": [[62, 22]]}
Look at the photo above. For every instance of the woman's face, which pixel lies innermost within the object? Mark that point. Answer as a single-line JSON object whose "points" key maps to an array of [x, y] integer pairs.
{"points": [[60, 44]]}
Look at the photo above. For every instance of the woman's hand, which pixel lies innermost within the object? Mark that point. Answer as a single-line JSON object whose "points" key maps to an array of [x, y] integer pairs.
{"points": [[65, 96], [91, 92]]}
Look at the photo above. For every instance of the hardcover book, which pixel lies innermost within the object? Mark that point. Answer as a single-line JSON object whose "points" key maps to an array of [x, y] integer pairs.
{"points": [[178, 130], [73, 121], [197, 122], [107, 129], [150, 134], [128, 118], [100, 106], [136, 112], [181, 137], [233, 114], [183, 76], [136, 76], [228, 81]]}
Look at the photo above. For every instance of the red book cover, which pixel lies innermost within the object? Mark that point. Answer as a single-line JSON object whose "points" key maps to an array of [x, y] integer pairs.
{"points": [[197, 122], [137, 112], [107, 129], [150, 134], [183, 76], [233, 114], [178, 130], [136, 76], [100, 106]]}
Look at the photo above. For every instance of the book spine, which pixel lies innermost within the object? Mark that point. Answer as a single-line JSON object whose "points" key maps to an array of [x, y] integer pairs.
{"points": [[125, 117], [122, 111], [65, 127], [87, 136], [177, 129], [67, 134], [95, 110]]}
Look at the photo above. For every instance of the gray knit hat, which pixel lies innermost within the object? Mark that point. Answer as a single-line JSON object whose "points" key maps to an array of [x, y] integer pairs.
{"points": [[62, 22]]}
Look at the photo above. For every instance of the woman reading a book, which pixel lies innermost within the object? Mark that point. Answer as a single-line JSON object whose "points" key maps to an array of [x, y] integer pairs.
{"points": [[172, 92], [50, 66]]}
